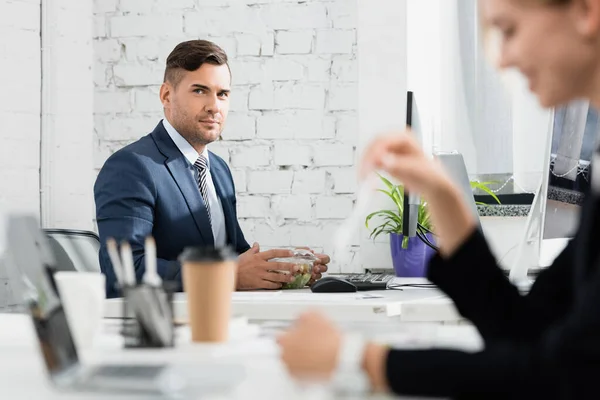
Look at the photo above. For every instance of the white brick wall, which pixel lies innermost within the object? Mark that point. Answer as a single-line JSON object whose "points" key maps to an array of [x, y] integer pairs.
{"points": [[330, 207], [334, 154], [270, 182], [251, 156], [20, 115], [293, 207], [292, 130], [290, 153], [294, 42], [309, 181], [253, 206], [20, 111], [335, 41]]}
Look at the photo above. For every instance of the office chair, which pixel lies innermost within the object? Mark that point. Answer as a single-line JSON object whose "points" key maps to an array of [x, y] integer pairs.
{"points": [[75, 250]]}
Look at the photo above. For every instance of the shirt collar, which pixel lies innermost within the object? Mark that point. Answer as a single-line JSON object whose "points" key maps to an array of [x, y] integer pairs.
{"points": [[183, 145]]}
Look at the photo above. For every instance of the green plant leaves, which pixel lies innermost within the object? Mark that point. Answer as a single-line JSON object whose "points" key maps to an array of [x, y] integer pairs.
{"points": [[391, 220], [483, 186], [405, 242], [389, 184]]}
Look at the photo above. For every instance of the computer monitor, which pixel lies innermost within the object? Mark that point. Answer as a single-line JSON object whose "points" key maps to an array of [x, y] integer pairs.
{"points": [[574, 135], [410, 213], [554, 215]]}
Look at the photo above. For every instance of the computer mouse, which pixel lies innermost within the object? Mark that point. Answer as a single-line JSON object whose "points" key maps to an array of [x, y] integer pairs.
{"points": [[331, 284]]}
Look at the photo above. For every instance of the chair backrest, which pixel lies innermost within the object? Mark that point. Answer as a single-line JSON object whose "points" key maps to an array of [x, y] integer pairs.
{"points": [[75, 250]]}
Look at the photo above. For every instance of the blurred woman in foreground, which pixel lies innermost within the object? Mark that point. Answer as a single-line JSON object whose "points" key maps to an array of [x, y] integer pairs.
{"points": [[543, 345]]}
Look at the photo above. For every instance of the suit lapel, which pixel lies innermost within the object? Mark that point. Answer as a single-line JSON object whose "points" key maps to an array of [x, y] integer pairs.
{"points": [[219, 175], [180, 170]]}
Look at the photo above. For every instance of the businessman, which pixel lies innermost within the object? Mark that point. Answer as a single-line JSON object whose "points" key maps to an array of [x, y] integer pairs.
{"points": [[168, 185]]}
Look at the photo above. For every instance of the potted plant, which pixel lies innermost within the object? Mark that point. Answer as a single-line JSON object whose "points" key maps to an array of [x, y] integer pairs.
{"points": [[410, 255]]}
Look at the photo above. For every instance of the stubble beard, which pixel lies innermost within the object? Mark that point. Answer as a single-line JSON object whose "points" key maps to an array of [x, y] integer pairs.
{"points": [[193, 134]]}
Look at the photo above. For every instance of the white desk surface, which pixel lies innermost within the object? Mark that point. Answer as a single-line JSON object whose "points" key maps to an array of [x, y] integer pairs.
{"points": [[407, 305], [23, 376]]}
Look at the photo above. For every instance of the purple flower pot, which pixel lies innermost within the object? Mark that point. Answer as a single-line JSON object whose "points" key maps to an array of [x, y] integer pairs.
{"points": [[412, 261]]}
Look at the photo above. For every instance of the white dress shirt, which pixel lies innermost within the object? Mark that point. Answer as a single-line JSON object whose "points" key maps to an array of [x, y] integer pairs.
{"points": [[214, 203]]}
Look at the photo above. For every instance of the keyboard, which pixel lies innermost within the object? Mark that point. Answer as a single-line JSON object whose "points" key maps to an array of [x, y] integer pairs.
{"points": [[367, 281], [379, 281]]}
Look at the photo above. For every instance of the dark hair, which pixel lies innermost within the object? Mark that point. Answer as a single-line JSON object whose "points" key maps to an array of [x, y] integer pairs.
{"points": [[190, 56]]}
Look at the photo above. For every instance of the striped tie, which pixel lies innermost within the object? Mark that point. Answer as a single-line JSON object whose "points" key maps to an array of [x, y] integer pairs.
{"points": [[202, 166]]}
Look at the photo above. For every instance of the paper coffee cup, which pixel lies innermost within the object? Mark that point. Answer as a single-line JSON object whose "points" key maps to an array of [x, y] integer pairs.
{"points": [[209, 279]]}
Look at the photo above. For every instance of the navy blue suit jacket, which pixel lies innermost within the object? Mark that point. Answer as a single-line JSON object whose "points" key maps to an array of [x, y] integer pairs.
{"points": [[147, 189]]}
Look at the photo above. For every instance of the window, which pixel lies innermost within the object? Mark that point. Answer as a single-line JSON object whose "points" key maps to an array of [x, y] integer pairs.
{"points": [[465, 104]]}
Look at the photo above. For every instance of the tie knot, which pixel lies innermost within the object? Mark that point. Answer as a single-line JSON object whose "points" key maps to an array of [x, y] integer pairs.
{"points": [[201, 162]]}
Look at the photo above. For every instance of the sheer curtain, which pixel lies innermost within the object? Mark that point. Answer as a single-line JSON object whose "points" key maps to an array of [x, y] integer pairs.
{"points": [[570, 122]]}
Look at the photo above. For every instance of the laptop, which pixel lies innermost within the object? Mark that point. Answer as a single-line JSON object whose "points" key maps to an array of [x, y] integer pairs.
{"points": [[30, 253]]}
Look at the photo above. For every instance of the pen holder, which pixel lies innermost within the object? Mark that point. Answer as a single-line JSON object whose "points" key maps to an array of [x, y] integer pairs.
{"points": [[148, 316]]}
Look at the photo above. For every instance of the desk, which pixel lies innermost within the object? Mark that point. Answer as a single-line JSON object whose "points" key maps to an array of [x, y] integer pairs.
{"points": [[22, 375], [407, 305]]}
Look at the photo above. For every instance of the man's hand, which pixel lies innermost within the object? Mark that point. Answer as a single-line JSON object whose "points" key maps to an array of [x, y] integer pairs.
{"points": [[319, 267], [255, 269]]}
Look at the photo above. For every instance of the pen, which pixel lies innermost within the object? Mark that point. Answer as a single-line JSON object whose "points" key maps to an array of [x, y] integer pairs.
{"points": [[151, 277], [160, 312], [127, 260], [113, 254]]}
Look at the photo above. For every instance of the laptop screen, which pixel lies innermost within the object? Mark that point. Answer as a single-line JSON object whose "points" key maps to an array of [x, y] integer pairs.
{"points": [[29, 253], [56, 342]]}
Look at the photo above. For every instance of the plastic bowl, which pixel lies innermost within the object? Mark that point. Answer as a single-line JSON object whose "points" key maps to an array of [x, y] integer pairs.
{"points": [[305, 260]]}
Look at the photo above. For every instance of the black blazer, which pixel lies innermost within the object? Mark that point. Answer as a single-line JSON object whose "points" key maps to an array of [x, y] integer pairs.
{"points": [[146, 189], [545, 345]]}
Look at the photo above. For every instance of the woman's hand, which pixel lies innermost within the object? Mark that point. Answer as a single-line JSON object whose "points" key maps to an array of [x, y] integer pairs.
{"points": [[400, 155], [310, 348]]}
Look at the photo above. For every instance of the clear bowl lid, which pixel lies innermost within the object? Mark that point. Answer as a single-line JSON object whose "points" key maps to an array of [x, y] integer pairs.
{"points": [[300, 256]]}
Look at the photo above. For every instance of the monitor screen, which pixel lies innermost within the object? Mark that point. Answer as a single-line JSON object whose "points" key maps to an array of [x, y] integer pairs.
{"points": [[32, 258], [574, 136], [410, 211]]}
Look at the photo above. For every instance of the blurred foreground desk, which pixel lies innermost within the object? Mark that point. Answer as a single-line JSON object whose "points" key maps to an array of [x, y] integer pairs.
{"points": [[407, 305], [22, 375]]}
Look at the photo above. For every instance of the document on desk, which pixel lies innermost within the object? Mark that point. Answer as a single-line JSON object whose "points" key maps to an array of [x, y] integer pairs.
{"points": [[295, 296], [256, 295], [327, 297]]}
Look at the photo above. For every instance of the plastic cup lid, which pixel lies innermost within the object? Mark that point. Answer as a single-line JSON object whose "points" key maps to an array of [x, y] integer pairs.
{"points": [[207, 254]]}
